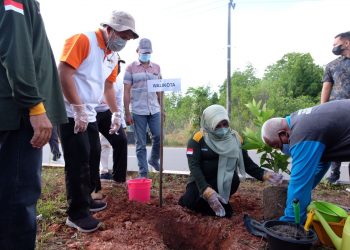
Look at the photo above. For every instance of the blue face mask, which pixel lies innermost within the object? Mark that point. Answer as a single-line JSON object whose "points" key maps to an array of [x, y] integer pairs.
{"points": [[220, 132], [144, 57], [285, 149]]}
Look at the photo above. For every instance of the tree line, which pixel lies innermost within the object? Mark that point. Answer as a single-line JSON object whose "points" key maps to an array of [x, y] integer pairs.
{"points": [[293, 82]]}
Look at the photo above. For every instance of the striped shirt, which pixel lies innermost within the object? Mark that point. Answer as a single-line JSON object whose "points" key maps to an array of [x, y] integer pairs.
{"points": [[142, 101]]}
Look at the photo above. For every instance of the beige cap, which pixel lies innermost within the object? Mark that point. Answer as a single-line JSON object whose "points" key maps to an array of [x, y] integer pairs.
{"points": [[121, 21]]}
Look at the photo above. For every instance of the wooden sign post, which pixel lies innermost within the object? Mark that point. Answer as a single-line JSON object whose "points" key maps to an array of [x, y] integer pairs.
{"points": [[162, 85]]}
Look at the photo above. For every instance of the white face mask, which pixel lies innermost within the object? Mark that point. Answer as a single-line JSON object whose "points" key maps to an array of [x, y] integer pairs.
{"points": [[117, 44]]}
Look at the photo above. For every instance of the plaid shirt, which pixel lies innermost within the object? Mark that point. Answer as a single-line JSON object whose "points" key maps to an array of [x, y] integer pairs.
{"points": [[142, 101]]}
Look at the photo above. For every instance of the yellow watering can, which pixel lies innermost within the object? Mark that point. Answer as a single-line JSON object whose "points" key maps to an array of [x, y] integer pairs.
{"points": [[326, 212]]}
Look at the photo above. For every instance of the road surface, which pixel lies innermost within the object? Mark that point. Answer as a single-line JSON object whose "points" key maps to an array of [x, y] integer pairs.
{"points": [[175, 161]]}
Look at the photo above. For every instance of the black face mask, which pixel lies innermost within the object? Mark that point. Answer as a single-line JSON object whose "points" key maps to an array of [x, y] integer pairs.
{"points": [[337, 50]]}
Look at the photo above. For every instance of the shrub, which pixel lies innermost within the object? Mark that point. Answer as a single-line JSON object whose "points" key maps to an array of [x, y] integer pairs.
{"points": [[270, 158]]}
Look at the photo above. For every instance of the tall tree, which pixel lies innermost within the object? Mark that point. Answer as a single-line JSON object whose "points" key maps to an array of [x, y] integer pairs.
{"points": [[176, 117], [297, 74], [242, 83], [202, 97]]}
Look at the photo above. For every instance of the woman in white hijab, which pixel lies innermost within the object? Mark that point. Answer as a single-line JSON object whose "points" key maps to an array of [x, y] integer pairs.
{"points": [[214, 157]]}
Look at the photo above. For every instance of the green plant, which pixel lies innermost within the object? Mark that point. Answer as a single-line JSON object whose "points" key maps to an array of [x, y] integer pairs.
{"points": [[270, 158], [51, 205]]}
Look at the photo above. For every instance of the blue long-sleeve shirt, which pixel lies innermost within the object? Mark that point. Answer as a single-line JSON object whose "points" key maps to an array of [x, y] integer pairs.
{"points": [[318, 135]]}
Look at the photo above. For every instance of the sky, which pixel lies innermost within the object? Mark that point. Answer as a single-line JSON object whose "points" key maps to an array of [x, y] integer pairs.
{"points": [[189, 37]]}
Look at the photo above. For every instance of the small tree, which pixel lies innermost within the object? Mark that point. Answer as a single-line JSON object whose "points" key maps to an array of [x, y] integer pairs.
{"points": [[270, 158]]}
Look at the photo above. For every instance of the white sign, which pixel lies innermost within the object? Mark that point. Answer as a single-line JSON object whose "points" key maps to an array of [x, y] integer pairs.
{"points": [[159, 85]]}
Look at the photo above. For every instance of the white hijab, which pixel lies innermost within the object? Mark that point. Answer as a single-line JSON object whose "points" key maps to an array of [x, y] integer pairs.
{"points": [[228, 148]]}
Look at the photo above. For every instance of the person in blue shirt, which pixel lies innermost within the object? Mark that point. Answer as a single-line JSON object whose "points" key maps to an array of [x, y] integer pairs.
{"points": [[315, 136]]}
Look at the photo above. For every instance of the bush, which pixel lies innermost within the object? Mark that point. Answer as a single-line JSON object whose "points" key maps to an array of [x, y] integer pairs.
{"points": [[270, 158]]}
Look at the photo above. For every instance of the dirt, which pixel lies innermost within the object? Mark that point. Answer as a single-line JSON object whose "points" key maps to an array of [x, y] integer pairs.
{"points": [[134, 225], [289, 231]]}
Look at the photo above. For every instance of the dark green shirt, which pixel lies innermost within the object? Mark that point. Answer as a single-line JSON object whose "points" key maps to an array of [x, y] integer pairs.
{"points": [[28, 73], [203, 163]]}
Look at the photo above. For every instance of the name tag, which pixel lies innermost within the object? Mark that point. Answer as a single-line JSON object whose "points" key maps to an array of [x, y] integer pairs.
{"points": [[164, 85]]}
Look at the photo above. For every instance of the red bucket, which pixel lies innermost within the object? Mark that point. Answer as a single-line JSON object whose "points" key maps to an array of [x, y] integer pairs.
{"points": [[139, 189]]}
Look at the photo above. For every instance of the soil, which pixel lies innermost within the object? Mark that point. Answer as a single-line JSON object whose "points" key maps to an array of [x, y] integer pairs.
{"points": [[289, 231], [134, 225], [274, 200]]}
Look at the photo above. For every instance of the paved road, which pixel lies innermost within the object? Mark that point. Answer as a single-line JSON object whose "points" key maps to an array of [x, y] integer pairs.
{"points": [[175, 161]]}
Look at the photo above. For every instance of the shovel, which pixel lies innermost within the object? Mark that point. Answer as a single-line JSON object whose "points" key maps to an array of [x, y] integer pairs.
{"points": [[254, 227], [309, 219]]}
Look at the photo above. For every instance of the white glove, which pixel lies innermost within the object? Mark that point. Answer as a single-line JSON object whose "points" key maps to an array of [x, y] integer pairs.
{"points": [[116, 121], [213, 199], [273, 178], [80, 117]]}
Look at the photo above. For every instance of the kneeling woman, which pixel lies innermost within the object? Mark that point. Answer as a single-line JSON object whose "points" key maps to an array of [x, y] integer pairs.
{"points": [[214, 156]]}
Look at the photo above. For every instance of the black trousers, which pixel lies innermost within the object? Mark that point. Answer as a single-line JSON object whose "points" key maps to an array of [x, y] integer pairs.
{"points": [[53, 142], [81, 153], [192, 199], [119, 144], [20, 187]]}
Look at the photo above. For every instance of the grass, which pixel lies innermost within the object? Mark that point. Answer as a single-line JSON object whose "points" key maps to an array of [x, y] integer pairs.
{"points": [[325, 185], [51, 205], [176, 140], [167, 178], [53, 193]]}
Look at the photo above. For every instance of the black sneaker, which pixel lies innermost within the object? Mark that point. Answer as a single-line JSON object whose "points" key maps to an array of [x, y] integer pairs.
{"points": [[96, 206], [85, 225], [105, 177], [56, 157], [333, 177]]}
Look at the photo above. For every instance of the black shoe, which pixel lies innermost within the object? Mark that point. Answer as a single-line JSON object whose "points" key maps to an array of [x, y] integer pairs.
{"points": [[85, 225], [333, 177], [154, 164], [96, 206], [105, 177], [56, 157]]}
